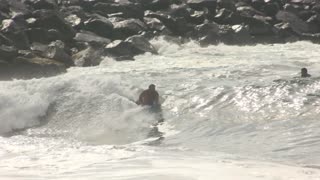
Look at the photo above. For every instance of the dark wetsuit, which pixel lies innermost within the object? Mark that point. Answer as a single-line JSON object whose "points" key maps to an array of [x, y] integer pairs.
{"points": [[148, 97]]}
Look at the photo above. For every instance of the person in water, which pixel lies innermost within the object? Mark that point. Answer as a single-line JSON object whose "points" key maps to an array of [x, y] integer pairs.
{"points": [[304, 73], [149, 97]]}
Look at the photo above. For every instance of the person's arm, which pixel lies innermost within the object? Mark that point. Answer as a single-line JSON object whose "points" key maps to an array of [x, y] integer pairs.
{"points": [[156, 101], [140, 100]]}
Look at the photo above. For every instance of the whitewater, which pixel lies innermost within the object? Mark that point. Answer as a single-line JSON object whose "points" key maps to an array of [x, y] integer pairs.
{"points": [[231, 113]]}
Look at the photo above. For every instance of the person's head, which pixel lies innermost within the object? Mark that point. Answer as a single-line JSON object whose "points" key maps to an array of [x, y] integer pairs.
{"points": [[304, 71], [152, 87]]}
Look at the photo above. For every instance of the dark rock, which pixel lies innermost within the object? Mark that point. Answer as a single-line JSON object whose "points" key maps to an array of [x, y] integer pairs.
{"points": [[4, 40], [8, 52], [9, 25], [315, 38], [314, 23], [180, 11], [56, 51], [141, 44], [18, 38], [74, 10], [42, 4], [271, 9], [54, 34], [316, 8], [297, 25], [200, 4], [90, 37], [52, 20], [37, 67], [207, 33], [241, 35], [91, 56], [18, 7], [127, 28], [129, 10], [258, 26], [155, 5], [248, 11], [197, 17], [130, 47], [258, 4], [100, 26], [39, 49], [227, 4], [177, 26], [4, 6], [285, 33], [37, 35], [74, 21], [305, 14], [154, 24], [225, 16], [294, 9], [13, 30]]}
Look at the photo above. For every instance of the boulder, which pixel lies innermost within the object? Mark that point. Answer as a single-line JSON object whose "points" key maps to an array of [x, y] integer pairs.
{"points": [[36, 67], [200, 4], [91, 56], [207, 33], [197, 17], [7, 53], [42, 4], [91, 37], [128, 10], [4, 40], [127, 28], [74, 21], [271, 9], [52, 20], [241, 35], [258, 27], [227, 4], [154, 24], [155, 5], [37, 35], [130, 47], [225, 16], [285, 33], [178, 26], [39, 49], [18, 7], [297, 25], [99, 25], [56, 51], [19, 39], [257, 4]]}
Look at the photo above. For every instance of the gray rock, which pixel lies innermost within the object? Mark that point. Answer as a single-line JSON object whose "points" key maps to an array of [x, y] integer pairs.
{"points": [[130, 47], [56, 51], [90, 37], [128, 10], [297, 25], [200, 4], [53, 20], [8, 52], [100, 26], [127, 28], [42, 4], [91, 56]]}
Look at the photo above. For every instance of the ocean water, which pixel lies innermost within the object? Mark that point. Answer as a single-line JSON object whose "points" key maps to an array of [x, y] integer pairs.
{"points": [[231, 113]]}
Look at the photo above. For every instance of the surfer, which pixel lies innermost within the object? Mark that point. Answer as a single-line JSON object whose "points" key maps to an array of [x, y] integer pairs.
{"points": [[304, 73], [149, 97]]}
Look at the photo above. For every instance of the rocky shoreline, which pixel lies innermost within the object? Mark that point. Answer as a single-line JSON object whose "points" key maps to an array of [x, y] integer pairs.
{"points": [[45, 37]]}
